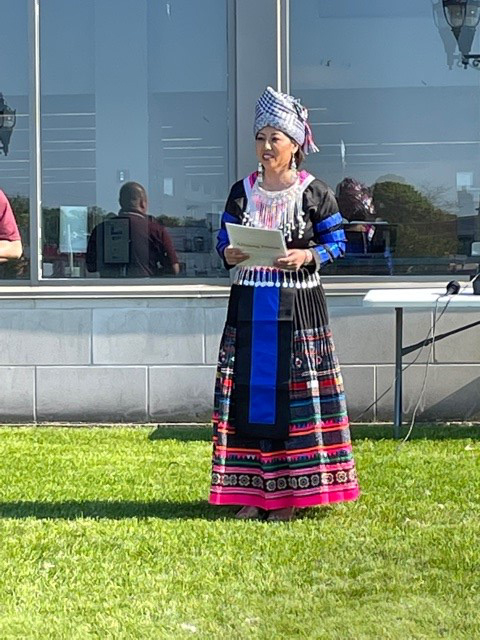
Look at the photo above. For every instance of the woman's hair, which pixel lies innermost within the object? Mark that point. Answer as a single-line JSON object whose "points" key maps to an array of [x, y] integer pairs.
{"points": [[299, 157], [355, 200]]}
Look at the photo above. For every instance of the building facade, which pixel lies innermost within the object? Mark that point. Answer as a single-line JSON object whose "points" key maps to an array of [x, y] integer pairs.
{"points": [[162, 93]]}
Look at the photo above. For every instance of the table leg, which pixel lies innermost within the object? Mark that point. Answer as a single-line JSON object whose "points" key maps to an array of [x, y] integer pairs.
{"points": [[398, 404]]}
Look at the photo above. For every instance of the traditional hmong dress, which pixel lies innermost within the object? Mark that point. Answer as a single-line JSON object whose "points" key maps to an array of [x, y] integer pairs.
{"points": [[281, 432]]}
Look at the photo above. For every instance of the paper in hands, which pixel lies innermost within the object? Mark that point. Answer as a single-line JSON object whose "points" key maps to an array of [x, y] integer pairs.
{"points": [[264, 246]]}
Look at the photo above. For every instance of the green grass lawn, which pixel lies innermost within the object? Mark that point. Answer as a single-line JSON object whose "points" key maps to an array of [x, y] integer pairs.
{"points": [[106, 533]]}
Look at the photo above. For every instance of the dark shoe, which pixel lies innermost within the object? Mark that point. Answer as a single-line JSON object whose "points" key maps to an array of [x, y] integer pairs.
{"points": [[249, 513], [281, 515]]}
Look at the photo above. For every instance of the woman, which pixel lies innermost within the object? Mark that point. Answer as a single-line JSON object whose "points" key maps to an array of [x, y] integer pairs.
{"points": [[281, 433]]}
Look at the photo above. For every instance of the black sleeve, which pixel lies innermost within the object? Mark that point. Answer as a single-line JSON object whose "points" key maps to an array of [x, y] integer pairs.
{"points": [[234, 208], [327, 221]]}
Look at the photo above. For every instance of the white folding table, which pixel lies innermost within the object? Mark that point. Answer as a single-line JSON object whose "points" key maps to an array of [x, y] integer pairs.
{"points": [[400, 299]]}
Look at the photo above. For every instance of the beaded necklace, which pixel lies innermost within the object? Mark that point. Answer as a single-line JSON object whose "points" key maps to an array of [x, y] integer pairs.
{"points": [[276, 209]]}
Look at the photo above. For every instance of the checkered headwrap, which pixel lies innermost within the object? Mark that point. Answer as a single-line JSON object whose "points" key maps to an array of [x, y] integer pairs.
{"points": [[284, 112]]}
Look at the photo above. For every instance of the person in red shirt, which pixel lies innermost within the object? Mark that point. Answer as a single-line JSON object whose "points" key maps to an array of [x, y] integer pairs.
{"points": [[151, 251], [10, 240]]}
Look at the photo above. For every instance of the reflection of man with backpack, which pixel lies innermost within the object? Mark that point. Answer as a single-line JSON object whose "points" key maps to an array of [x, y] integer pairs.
{"points": [[132, 244]]}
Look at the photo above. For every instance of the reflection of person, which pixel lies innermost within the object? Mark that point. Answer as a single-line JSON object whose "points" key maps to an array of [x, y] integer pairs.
{"points": [[150, 248], [281, 431], [355, 201], [10, 240], [366, 234]]}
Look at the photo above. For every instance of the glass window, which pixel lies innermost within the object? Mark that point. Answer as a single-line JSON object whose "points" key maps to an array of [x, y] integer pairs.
{"points": [[14, 132], [133, 91], [393, 108]]}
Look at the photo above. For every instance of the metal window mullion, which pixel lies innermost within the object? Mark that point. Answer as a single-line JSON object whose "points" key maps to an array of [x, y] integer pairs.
{"points": [[286, 47], [279, 45], [232, 90], [283, 46], [35, 142]]}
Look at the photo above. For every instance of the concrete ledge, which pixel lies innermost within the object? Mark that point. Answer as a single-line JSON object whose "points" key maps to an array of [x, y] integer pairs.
{"points": [[181, 288], [92, 394], [148, 336], [359, 383], [47, 336], [181, 393], [17, 397], [367, 336], [214, 323], [463, 347], [452, 392]]}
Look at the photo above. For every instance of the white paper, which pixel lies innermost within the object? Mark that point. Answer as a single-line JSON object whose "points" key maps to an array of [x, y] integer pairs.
{"points": [[264, 246]]}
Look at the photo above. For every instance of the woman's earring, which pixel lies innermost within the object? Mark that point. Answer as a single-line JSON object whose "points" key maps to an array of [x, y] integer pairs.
{"points": [[293, 164], [260, 173]]}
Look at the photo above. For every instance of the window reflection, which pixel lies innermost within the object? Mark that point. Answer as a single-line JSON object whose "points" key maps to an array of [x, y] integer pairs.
{"points": [[14, 128], [399, 119], [133, 91]]}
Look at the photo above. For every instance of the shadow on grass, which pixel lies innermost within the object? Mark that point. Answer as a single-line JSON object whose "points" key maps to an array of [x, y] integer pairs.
{"points": [[185, 433], [421, 431], [114, 510], [122, 510]]}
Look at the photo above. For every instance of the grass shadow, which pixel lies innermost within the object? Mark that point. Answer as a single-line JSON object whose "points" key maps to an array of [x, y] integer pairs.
{"points": [[123, 510], [185, 433], [114, 510], [421, 431], [366, 431]]}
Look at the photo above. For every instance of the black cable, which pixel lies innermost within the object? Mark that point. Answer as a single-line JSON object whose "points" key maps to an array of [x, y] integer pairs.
{"points": [[427, 366]]}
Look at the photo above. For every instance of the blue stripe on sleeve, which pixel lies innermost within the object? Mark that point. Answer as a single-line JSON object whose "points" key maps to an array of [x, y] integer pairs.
{"points": [[334, 236], [222, 241], [330, 238], [322, 254], [222, 235], [337, 250], [328, 252], [332, 221], [227, 217]]}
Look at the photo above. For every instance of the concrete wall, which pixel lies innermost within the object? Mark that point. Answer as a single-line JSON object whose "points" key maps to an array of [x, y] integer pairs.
{"points": [[141, 359]]}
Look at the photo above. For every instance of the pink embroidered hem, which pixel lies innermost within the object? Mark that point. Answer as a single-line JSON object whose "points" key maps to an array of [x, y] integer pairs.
{"points": [[262, 501]]}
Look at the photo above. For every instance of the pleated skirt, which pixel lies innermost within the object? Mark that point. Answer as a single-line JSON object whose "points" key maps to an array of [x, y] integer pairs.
{"points": [[312, 464]]}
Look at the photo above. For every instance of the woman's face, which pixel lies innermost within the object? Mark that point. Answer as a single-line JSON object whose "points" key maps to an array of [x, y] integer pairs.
{"points": [[274, 149]]}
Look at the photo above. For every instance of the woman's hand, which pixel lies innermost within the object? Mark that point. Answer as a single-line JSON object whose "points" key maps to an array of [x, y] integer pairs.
{"points": [[295, 259], [234, 256]]}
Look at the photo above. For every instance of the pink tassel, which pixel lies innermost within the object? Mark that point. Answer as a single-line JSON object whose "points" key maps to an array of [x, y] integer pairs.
{"points": [[309, 145]]}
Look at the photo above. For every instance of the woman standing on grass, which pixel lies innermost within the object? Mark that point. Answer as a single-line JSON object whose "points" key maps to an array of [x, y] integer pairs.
{"points": [[281, 433]]}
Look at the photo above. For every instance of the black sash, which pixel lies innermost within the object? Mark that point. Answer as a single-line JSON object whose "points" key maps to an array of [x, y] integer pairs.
{"points": [[263, 317]]}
